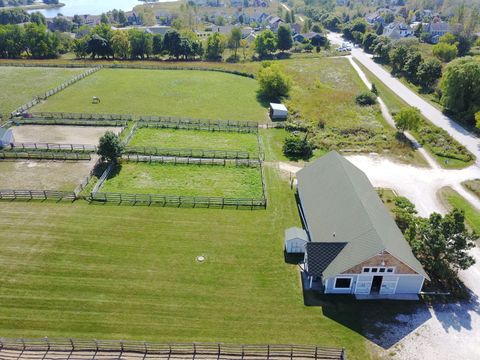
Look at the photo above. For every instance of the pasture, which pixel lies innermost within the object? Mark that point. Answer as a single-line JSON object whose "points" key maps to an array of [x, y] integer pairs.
{"points": [[59, 134], [186, 180], [21, 84], [43, 175], [193, 139], [121, 272], [183, 93]]}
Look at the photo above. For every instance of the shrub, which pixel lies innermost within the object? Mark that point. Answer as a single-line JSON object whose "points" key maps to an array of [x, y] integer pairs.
{"points": [[274, 84], [296, 147], [366, 98]]}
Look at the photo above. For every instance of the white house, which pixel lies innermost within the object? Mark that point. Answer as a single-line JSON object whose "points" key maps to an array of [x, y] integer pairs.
{"points": [[6, 137], [396, 31], [354, 245], [278, 111]]}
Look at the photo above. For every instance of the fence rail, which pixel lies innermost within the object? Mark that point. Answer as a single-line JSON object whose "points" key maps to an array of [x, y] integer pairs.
{"points": [[197, 126], [190, 153], [44, 155], [7, 194], [190, 160], [55, 147], [80, 116], [75, 122], [30, 347]]}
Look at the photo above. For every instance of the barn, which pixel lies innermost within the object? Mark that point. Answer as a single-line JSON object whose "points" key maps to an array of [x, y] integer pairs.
{"points": [[278, 111], [295, 240], [6, 137], [355, 246]]}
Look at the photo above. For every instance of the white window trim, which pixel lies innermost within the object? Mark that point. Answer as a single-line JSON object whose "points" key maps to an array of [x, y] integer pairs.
{"points": [[343, 277], [378, 269]]}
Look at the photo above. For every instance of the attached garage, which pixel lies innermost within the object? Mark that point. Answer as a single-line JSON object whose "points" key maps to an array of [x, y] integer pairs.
{"points": [[295, 240]]}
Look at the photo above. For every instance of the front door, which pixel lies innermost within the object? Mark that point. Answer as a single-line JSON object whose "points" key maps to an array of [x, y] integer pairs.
{"points": [[376, 284]]}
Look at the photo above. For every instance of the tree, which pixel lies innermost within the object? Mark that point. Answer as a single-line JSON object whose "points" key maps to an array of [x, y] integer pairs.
{"points": [[141, 44], [80, 47], [407, 118], [366, 98], [374, 89], [284, 38], [274, 84], [412, 63], [38, 18], [157, 44], [120, 44], [368, 41], [104, 19], [445, 52], [398, 57], [40, 42], [215, 47], [265, 43], [428, 73], [12, 41], [110, 147], [172, 42], [380, 30], [442, 244], [381, 48], [477, 120], [461, 88], [296, 147], [234, 40]]}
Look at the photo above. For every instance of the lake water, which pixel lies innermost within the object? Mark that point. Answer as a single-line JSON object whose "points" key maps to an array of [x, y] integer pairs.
{"points": [[91, 7]]}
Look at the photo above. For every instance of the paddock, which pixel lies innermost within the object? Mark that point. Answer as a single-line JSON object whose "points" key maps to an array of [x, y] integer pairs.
{"points": [[88, 135], [44, 175]]}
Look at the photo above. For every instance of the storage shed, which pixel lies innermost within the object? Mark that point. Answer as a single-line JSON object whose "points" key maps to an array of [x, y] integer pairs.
{"points": [[295, 240], [6, 137], [278, 111]]}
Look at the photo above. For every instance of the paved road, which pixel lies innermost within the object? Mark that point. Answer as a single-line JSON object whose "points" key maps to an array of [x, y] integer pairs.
{"points": [[470, 141]]}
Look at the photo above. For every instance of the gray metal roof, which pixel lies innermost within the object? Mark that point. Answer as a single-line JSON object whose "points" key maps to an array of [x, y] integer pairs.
{"points": [[341, 205], [296, 233]]}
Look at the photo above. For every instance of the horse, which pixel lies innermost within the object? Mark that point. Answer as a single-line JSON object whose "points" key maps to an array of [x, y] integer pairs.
{"points": [[95, 100]]}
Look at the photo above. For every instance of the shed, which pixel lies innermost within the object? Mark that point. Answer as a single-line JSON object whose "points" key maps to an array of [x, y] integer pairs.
{"points": [[278, 111], [6, 137], [295, 240]]}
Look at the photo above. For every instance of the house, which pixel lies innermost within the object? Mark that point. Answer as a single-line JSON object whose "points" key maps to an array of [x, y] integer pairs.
{"points": [[354, 245], [438, 28], [278, 111], [397, 31], [273, 22], [295, 240], [299, 38], [6, 137]]}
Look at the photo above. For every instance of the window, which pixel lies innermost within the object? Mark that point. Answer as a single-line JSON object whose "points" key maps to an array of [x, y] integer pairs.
{"points": [[366, 269], [390, 270], [381, 270], [343, 283], [374, 269]]}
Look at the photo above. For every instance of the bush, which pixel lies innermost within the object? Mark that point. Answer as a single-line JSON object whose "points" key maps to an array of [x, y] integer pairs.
{"points": [[366, 98], [274, 84], [296, 147], [110, 147], [442, 144]]}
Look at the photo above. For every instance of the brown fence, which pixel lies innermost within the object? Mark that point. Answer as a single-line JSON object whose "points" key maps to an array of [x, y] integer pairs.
{"points": [[45, 155], [90, 349], [190, 161], [55, 147], [79, 116], [197, 124], [190, 153], [36, 195]]}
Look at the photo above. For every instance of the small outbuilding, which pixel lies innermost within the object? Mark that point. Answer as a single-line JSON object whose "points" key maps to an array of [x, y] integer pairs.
{"points": [[295, 240], [6, 137], [278, 111]]}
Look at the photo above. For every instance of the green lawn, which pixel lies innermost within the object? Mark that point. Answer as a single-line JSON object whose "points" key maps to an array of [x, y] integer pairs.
{"points": [[455, 200], [20, 85], [192, 139], [184, 93], [120, 272], [187, 180]]}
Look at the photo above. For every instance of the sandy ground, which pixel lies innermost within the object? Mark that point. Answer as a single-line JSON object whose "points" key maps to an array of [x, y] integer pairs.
{"points": [[88, 135], [43, 175]]}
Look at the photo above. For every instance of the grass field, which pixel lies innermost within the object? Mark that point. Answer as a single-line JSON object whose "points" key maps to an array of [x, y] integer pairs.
{"points": [[455, 200], [185, 93], [115, 272], [192, 139], [187, 180], [20, 84], [43, 175]]}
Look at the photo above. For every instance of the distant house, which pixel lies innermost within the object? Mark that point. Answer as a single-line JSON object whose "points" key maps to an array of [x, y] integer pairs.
{"points": [[273, 22], [354, 245], [157, 29], [6, 137], [299, 38], [440, 28], [250, 38], [397, 31]]}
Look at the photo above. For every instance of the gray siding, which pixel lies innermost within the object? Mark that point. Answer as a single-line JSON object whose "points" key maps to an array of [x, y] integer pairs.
{"points": [[409, 284]]}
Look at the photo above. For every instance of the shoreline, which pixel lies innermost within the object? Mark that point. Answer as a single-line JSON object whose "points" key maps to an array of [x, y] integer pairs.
{"points": [[34, 7]]}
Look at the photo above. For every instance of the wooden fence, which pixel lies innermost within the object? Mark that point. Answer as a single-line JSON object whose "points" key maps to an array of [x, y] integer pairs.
{"points": [[190, 161], [80, 116], [71, 122], [66, 348], [7, 194], [199, 124], [190, 153], [49, 93], [55, 147], [45, 155]]}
